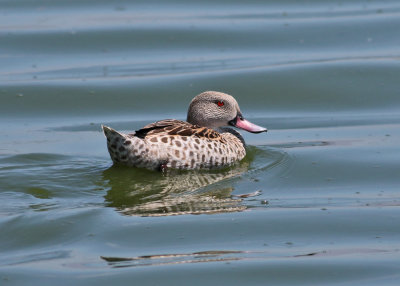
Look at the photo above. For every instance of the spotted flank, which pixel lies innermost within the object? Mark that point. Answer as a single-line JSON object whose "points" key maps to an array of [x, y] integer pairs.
{"points": [[159, 150], [179, 144]]}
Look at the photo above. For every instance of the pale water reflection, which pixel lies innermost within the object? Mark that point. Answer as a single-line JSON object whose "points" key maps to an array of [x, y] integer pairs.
{"points": [[142, 192]]}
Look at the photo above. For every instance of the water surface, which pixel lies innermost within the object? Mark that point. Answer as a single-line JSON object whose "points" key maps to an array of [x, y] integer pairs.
{"points": [[316, 200]]}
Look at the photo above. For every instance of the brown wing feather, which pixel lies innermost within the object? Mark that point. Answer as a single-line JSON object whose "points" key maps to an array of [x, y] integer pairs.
{"points": [[165, 123], [157, 127], [177, 127]]}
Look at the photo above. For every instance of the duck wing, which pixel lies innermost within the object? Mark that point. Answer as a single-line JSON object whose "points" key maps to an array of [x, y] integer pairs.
{"points": [[177, 127]]}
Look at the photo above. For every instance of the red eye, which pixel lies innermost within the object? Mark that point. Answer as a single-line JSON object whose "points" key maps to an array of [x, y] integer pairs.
{"points": [[220, 103]]}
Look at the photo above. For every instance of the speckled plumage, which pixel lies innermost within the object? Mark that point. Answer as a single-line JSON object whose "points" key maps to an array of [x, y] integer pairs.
{"points": [[178, 144]]}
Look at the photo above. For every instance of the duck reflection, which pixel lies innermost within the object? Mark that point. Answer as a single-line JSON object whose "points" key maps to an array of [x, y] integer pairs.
{"points": [[147, 193]]}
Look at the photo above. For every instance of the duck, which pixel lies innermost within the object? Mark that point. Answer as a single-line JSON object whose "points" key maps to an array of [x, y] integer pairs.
{"points": [[206, 140]]}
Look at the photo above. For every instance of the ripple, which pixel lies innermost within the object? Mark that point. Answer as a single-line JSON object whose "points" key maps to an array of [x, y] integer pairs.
{"points": [[178, 68], [229, 255], [42, 182], [34, 258], [32, 158]]}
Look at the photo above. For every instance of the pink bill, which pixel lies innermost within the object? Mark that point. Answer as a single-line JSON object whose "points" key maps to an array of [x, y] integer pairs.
{"points": [[248, 126]]}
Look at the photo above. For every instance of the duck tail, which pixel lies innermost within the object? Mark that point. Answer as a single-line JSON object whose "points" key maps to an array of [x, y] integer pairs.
{"points": [[110, 133], [118, 144]]}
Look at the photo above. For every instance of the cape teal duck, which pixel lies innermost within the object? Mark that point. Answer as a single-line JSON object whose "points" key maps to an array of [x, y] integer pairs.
{"points": [[201, 142]]}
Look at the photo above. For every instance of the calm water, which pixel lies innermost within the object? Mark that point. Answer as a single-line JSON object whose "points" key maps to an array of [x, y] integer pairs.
{"points": [[315, 202]]}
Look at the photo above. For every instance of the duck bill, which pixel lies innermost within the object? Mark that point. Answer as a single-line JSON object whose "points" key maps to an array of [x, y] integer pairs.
{"points": [[244, 124]]}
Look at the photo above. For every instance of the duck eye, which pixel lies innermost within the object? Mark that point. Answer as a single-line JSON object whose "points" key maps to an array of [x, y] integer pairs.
{"points": [[220, 103]]}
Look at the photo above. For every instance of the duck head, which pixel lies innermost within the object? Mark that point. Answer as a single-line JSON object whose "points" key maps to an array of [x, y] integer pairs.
{"points": [[214, 109]]}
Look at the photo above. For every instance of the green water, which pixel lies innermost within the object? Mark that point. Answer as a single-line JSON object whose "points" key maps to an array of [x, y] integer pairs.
{"points": [[315, 202]]}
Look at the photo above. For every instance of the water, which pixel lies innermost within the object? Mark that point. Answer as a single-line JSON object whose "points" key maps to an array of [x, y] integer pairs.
{"points": [[316, 201]]}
